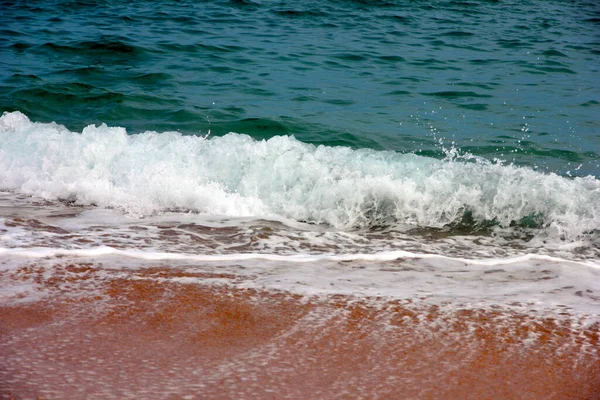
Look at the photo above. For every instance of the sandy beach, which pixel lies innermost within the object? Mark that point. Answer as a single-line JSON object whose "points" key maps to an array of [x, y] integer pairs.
{"points": [[151, 333]]}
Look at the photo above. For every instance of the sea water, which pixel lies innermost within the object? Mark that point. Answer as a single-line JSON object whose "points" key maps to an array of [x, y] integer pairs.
{"points": [[447, 151]]}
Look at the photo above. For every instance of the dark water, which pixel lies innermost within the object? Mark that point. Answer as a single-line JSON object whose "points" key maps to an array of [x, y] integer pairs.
{"points": [[516, 81]]}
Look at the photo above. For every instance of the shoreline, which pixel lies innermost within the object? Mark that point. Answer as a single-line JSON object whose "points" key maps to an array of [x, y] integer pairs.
{"points": [[150, 333]]}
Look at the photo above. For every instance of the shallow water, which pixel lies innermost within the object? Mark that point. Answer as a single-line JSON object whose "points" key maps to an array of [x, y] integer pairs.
{"points": [[154, 332]]}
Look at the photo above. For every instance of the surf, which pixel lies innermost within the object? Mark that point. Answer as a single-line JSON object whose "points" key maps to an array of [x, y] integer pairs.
{"points": [[235, 175]]}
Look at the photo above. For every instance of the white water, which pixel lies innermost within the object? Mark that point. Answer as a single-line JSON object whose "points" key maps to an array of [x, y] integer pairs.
{"points": [[282, 178], [534, 284]]}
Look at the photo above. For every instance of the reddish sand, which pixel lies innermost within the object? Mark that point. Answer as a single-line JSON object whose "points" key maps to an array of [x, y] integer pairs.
{"points": [[138, 334]]}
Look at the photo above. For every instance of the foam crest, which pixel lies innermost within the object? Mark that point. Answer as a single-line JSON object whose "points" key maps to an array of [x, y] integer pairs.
{"points": [[104, 251], [235, 175]]}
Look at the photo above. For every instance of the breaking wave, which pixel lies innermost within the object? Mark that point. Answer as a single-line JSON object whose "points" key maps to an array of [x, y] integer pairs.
{"points": [[236, 175]]}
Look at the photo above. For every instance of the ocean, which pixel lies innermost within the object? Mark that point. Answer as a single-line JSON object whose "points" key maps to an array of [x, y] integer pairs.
{"points": [[438, 154]]}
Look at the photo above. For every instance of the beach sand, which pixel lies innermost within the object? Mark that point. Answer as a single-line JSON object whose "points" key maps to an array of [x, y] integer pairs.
{"points": [[156, 333]]}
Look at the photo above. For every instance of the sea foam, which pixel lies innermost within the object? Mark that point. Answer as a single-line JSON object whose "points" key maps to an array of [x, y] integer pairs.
{"points": [[235, 175]]}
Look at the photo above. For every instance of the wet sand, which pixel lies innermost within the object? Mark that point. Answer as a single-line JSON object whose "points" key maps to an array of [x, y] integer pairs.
{"points": [[156, 333]]}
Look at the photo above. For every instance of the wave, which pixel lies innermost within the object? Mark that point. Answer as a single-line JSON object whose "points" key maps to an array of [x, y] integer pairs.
{"points": [[236, 175]]}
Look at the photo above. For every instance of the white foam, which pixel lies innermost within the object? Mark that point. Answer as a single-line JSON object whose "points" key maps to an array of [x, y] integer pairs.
{"points": [[281, 177], [539, 283], [45, 252]]}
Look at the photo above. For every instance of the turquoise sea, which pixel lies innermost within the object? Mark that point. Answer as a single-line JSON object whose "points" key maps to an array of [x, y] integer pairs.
{"points": [[304, 132], [513, 81]]}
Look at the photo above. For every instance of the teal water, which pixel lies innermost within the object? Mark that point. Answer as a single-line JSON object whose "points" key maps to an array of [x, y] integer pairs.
{"points": [[515, 81]]}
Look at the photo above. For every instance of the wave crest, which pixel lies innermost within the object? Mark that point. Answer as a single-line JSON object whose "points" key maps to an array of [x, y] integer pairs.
{"points": [[281, 177]]}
